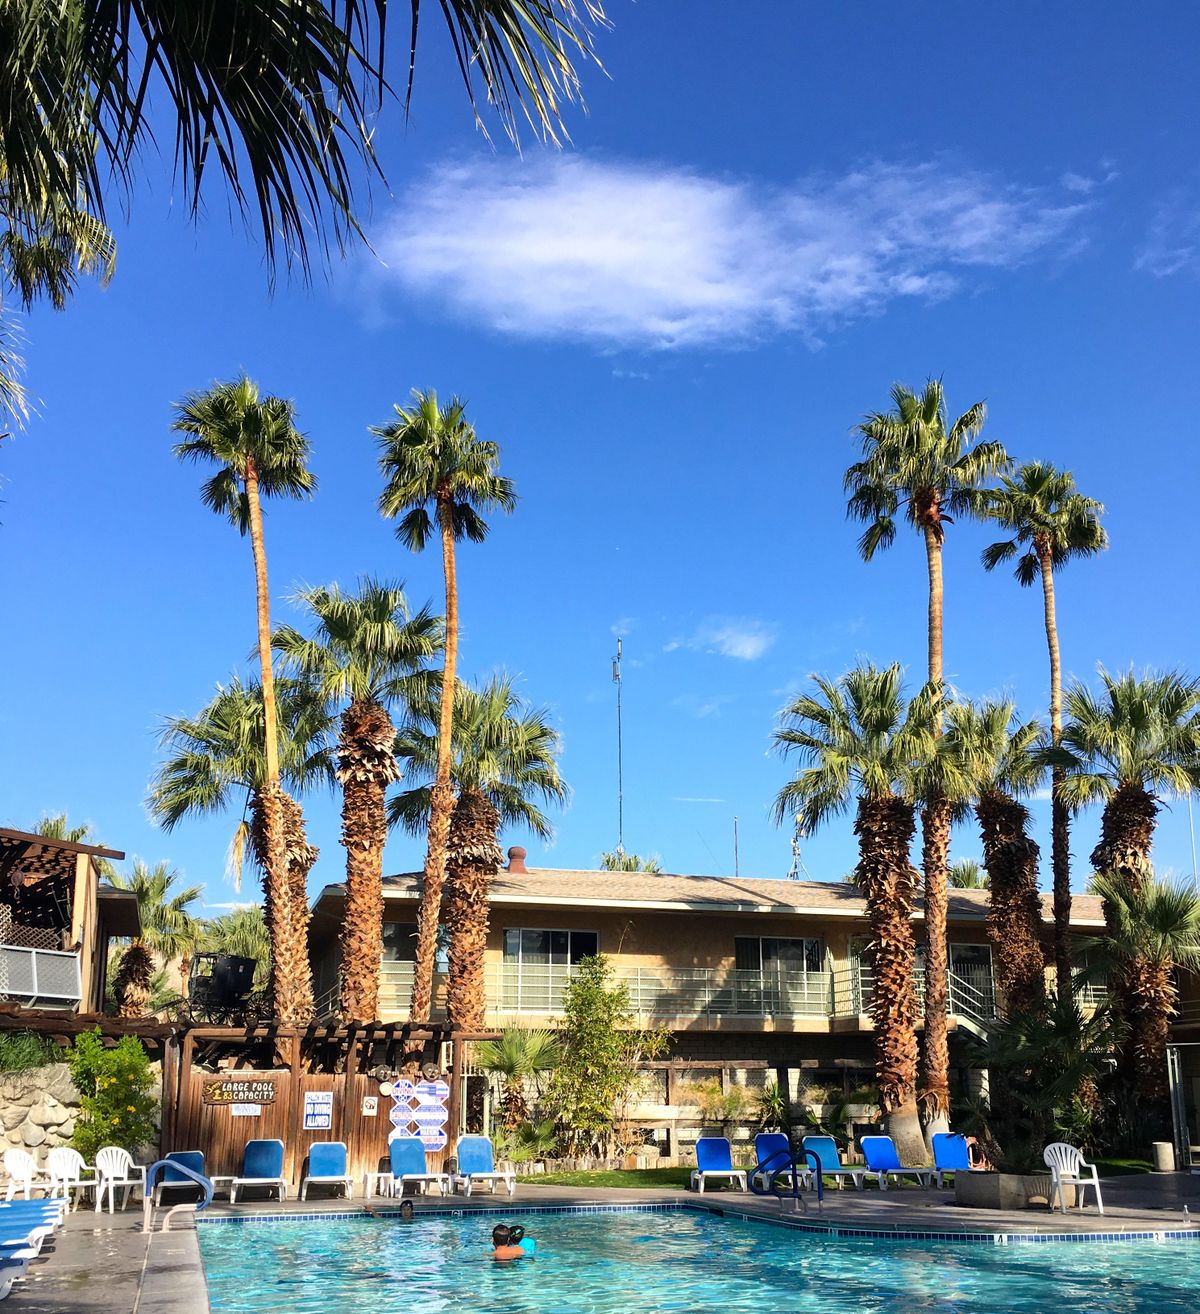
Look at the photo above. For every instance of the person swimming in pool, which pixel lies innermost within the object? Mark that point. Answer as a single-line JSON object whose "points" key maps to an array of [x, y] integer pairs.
{"points": [[511, 1242], [406, 1211]]}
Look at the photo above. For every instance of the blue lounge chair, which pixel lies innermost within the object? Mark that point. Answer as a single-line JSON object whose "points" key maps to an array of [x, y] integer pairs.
{"points": [[262, 1165], [326, 1167], [174, 1181], [477, 1163], [714, 1158], [883, 1162], [775, 1150], [951, 1154], [826, 1150], [406, 1157]]}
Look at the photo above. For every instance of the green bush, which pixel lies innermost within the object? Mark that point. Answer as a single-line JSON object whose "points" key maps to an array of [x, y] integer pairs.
{"points": [[22, 1050], [116, 1106]]}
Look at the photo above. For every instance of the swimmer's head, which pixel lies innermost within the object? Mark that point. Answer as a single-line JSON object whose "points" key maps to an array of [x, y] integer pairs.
{"points": [[406, 1210], [502, 1235], [515, 1234]]}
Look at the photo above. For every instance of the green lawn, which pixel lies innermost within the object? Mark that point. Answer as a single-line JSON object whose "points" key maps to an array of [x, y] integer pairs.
{"points": [[656, 1179]]}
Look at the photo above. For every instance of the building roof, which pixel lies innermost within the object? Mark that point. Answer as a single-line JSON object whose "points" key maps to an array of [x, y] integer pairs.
{"points": [[38, 856], [561, 887]]}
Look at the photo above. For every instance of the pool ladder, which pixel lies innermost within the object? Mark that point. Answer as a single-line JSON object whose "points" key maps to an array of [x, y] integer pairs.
{"points": [[191, 1207], [784, 1163]]}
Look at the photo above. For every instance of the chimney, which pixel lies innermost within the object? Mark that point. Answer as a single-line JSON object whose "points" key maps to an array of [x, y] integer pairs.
{"points": [[516, 860]]}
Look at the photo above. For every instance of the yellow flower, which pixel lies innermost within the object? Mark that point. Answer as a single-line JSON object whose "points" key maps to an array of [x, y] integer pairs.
{"points": [[132, 1109], [115, 1121]]}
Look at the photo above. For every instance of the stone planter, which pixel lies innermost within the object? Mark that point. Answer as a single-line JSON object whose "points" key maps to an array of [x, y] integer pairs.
{"points": [[988, 1190]]}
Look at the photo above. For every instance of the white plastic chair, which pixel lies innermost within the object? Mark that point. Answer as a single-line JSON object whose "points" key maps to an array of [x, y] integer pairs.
{"points": [[23, 1174], [68, 1171], [115, 1167], [1066, 1163]]}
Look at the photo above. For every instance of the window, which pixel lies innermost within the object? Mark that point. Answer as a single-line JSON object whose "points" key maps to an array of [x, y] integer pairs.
{"points": [[536, 947], [777, 956], [399, 942]]}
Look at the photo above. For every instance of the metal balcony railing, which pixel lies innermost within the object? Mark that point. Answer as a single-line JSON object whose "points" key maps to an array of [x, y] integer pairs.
{"points": [[971, 995], [46, 977]]}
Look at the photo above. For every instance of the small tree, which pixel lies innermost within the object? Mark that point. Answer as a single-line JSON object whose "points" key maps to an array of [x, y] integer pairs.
{"points": [[602, 1054], [115, 1085]]}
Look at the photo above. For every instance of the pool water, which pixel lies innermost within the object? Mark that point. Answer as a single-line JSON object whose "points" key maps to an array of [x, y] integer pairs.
{"points": [[665, 1262]]}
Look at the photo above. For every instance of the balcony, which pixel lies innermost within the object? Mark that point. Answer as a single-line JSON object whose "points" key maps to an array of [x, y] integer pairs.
{"points": [[712, 997], [40, 978]]}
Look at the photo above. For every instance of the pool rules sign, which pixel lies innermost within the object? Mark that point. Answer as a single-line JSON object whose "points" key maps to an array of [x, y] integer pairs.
{"points": [[419, 1109]]}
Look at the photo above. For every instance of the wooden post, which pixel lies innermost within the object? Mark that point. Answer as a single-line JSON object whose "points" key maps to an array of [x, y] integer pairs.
{"points": [[454, 1104]]}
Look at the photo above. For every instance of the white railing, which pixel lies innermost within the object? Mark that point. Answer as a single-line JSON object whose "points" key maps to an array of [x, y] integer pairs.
{"points": [[970, 995], [40, 976]]}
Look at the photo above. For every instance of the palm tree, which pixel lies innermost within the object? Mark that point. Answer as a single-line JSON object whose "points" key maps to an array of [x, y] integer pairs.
{"points": [[368, 654], [169, 926], [856, 737], [919, 464], [278, 97], [1001, 758], [1138, 740], [1153, 928], [216, 762], [1051, 523], [517, 1057], [967, 874], [619, 860], [260, 453], [430, 456], [504, 766], [169, 932]]}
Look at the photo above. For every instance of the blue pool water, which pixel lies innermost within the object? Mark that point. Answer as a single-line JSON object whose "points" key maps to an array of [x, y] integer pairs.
{"points": [[667, 1262]]}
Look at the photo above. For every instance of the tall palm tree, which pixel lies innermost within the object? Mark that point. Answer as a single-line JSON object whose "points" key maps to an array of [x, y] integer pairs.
{"points": [[216, 762], [856, 738], [1136, 741], [430, 456], [1153, 928], [919, 464], [259, 453], [1051, 523], [366, 655], [1001, 758], [504, 767]]}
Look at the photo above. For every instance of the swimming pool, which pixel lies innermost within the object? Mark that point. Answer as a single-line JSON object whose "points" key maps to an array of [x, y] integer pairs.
{"points": [[627, 1263]]}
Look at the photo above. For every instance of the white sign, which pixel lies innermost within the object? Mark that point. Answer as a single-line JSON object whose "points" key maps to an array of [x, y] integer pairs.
{"points": [[318, 1110], [370, 1106], [245, 1110]]}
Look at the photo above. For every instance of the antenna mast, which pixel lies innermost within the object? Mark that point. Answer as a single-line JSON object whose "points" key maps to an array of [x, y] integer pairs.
{"points": [[616, 675], [737, 868], [798, 871]]}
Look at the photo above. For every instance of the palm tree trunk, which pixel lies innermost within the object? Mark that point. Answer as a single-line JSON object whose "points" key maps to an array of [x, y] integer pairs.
{"points": [[1126, 834], [1014, 919], [441, 802], [1149, 1002], [933, 560], [366, 766], [1060, 817], [885, 826], [285, 904], [291, 979], [472, 859], [935, 849]]}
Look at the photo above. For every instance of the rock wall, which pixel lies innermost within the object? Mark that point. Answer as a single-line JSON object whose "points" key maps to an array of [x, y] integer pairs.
{"points": [[38, 1108]]}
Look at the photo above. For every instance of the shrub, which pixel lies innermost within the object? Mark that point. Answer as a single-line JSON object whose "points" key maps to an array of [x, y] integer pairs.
{"points": [[116, 1106], [22, 1050]]}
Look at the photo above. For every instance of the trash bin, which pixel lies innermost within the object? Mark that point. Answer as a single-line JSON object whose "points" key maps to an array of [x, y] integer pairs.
{"points": [[1164, 1156]]}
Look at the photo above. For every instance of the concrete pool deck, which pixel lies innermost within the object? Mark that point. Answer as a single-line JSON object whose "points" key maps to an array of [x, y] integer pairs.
{"points": [[104, 1265]]}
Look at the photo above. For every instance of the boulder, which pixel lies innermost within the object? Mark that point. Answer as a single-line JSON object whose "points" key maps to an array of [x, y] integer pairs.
{"points": [[13, 1115], [32, 1134]]}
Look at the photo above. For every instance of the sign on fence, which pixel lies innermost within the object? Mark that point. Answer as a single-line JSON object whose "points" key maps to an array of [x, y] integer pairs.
{"points": [[239, 1090], [318, 1110], [419, 1109]]}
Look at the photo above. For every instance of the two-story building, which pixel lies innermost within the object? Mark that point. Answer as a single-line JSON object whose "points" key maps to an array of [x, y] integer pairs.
{"points": [[772, 973]]}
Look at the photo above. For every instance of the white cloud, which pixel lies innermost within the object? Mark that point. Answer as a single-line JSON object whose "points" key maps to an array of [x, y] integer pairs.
{"points": [[1085, 183], [619, 253], [742, 638], [1041, 796], [1172, 244]]}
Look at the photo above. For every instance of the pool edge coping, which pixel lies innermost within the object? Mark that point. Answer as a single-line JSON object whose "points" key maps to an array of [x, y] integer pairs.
{"points": [[957, 1236]]}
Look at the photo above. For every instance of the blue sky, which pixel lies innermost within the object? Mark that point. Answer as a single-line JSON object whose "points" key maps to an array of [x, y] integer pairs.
{"points": [[769, 213]]}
